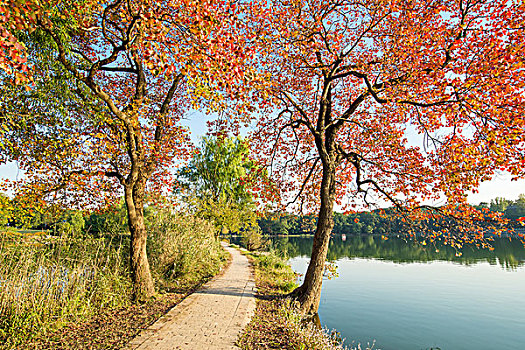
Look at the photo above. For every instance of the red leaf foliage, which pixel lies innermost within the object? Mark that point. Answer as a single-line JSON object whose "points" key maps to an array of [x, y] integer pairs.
{"points": [[352, 82]]}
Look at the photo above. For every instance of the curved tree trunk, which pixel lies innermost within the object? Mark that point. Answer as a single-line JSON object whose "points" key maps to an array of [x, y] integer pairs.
{"points": [[143, 286], [309, 293]]}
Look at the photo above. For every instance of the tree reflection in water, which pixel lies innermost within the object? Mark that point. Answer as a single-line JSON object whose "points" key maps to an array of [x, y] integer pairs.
{"points": [[508, 253]]}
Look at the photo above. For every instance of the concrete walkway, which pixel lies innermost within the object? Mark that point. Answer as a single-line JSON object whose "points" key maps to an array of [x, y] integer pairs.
{"points": [[211, 318]]}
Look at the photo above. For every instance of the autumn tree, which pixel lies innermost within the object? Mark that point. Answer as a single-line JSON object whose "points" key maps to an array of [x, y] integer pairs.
{"points": [[15, 15], [5, 210], [113, 79], [352, 80]]}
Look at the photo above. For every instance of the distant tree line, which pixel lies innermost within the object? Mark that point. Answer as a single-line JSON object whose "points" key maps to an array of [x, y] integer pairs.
{"points": [[366, 223], [352, 224], [114, 219], [512, 210], [62, 221]]}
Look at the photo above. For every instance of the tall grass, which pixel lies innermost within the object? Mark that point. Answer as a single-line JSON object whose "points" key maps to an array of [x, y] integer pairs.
{"points": [[182, 249], [46, 282]]}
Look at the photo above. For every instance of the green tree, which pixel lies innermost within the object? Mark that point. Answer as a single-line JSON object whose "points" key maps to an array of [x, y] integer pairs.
{"points": [[221, 180], [221, 170], [516, 209], [499, 204], [111, 221], [72, 224], [278, 224]]}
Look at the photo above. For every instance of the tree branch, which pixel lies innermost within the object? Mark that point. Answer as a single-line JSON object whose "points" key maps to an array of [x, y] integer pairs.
{"points": [[303, 186]]}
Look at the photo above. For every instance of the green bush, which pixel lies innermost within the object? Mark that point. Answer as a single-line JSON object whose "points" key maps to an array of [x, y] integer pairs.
{"points": [[252, 239], [182, 249], [72, 225], [271, 261], [111, 222]]}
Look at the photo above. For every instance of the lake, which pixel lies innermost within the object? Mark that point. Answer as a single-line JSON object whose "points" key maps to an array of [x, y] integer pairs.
{"points": [[404, 296]]}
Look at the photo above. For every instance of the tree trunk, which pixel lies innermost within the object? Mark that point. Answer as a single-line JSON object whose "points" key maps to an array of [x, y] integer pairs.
{"points": [[309, 293], [143, 287]]}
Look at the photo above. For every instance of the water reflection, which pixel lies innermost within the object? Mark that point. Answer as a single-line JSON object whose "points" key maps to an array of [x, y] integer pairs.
{"points": [[509, 254], [405, 296]]}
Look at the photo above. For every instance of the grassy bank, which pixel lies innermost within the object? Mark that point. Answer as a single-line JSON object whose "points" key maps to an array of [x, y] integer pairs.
{"points": [[275, 324], [75, 293]]}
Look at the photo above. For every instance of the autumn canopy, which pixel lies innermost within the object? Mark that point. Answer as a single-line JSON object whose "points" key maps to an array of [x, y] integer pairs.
{"points": [[111, 81], [339, 91], [351, 81]]}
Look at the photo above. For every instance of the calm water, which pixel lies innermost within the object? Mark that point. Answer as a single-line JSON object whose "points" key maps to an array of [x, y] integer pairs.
{"points": [[407, 297]]}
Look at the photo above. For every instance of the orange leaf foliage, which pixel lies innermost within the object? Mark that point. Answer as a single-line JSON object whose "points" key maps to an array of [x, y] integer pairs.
{"points": [[352, 82], [137, 67]]}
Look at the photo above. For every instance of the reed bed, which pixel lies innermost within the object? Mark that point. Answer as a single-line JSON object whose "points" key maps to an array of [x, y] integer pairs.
{"points": [[49, 282], [46, 282], [183, 250]]}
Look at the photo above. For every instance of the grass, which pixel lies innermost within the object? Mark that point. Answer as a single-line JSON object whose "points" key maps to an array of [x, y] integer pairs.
{"points": [[183, 251], [75, 293], [273, 275], [47, 282], [276, 324]]}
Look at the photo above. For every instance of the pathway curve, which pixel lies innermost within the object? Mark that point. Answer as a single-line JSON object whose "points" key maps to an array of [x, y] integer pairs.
{"points": [[211, 318]]}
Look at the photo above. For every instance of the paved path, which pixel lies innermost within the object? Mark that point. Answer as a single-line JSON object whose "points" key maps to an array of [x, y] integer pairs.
{"points": [[208, 319]]}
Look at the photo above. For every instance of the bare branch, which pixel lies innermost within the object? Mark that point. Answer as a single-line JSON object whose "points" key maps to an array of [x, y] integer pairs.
{"points": [[119, 69], [305, 182]]}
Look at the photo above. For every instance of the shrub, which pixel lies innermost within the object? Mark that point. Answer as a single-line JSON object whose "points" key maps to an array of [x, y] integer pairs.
{"points": [[252, 239], [111, 222], [182, 249], [72, 225]]}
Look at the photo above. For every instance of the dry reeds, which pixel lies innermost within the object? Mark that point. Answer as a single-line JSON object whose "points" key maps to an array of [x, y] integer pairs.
{"points": [[182, 249], [48, 281]]}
